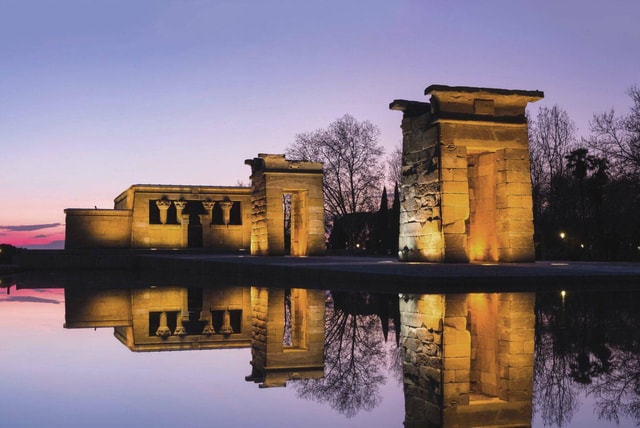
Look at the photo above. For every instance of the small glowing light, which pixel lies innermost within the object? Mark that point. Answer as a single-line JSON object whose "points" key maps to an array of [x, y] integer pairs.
{"points": [[563, 293], [357, 245], [562, 235], [581, 245]]}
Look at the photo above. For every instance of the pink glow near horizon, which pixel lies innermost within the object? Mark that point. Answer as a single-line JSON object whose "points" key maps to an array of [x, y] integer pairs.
{"points": [[51, 237]]}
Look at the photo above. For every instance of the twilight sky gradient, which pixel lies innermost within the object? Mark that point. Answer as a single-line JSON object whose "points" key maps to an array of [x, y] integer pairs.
{"points": [[96, 96]]}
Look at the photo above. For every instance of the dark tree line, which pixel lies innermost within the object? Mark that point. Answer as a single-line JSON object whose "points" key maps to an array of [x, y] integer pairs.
{"points": [[586, 193], [587, 343]]}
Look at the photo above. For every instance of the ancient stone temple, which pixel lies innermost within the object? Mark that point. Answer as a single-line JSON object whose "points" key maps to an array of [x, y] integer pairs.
{"points": [[165, 216], [466, 188], [213, 217], [273, 177]]}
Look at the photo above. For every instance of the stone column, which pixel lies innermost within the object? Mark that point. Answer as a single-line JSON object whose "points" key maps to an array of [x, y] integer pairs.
{"points": [[180, 330], [179, 207], [208, 328], [226, 323], [205, 221], [208, 207], [226, 206], [163, 330], [163, 205]]}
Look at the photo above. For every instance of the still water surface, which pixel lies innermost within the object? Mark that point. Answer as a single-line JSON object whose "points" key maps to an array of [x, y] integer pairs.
{"points": [[64, 364]]}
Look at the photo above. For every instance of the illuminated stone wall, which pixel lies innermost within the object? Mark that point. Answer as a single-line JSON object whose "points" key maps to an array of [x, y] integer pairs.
{"points": [[273, 176], [93, 308], [92, 228], [199, 203], [466, 188], [166, 216], [468, 359], [149, 304]]}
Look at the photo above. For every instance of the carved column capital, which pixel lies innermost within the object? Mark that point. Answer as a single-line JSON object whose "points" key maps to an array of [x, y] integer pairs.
{"points": [[180, 204]]}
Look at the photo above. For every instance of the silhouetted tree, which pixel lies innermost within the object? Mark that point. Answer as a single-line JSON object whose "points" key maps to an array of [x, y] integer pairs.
{"points": [[7, 251], [394, 166], [394, 220], [551, 137], [617, 137], [353, 171]]}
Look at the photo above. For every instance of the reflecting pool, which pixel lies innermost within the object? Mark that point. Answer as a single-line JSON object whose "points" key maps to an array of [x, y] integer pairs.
{"points": [[254, 356]]}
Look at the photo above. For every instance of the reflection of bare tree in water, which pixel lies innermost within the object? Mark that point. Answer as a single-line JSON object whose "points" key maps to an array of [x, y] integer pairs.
{"points": [[590, 345], [355, 356], [554, 398], [618, 391]]}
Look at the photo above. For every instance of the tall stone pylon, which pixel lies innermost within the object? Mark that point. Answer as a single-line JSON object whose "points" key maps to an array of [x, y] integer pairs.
{"points": [[466, 185], [273, 176]]}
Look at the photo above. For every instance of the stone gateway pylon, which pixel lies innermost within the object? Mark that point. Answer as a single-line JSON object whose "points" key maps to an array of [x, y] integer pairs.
{"points": [[466, 185], [273, 176]]}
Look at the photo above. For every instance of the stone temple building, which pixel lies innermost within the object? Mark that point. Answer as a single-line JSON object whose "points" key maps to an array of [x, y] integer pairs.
{"points": [[212, 217]]}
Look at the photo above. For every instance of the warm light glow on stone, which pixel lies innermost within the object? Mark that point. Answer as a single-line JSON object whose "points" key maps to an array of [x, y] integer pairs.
{"points": [[466, 187]]}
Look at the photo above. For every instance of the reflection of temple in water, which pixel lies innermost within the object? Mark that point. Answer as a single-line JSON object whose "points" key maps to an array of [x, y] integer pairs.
{"points": [[283, 327], [468, 359]]}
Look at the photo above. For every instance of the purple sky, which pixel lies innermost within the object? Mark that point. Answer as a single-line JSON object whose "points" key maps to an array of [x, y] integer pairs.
{"points": [[96, 96]]}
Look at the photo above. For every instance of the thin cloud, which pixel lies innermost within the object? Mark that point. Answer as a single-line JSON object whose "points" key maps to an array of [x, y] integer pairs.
{"points": [[29, 227], [30, 299]]}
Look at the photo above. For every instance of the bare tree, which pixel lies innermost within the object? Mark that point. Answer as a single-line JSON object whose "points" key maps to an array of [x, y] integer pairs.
{"points": [[351, 154], [551, 137], [394, 167], [618, 137]]}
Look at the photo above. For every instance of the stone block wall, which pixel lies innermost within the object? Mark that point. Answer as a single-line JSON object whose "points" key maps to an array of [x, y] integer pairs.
{"points": [[466, 189], [468, 359], [93, 308], [87, 228]]}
